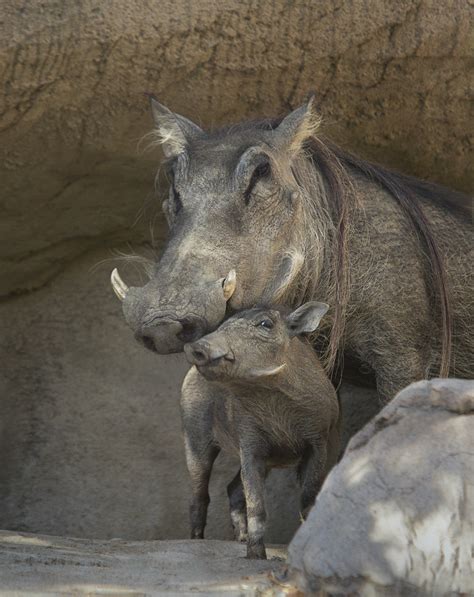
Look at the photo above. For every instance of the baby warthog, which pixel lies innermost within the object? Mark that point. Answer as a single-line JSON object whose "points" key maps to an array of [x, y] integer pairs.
{"points": [[259, 390]]}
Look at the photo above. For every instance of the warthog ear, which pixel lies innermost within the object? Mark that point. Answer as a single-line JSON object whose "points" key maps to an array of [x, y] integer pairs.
{"points": [[298, 126], [174, 131], [306, 318]]}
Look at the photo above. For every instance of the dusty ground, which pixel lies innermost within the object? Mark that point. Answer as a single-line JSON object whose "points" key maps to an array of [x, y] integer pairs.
{"points": [[46, 565]]}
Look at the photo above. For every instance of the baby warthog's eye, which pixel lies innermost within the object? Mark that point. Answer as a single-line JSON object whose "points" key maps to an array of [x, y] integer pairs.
{"points": [[266, 323]]}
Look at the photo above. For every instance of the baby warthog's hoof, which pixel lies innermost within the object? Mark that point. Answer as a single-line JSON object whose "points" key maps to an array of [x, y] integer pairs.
{"points": [[256, 551], [240, 535], [239, 525]]}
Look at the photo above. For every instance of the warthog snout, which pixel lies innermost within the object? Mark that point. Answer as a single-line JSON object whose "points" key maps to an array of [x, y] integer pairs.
{"points": [[204, 353], [164, 320], [166, 331]]}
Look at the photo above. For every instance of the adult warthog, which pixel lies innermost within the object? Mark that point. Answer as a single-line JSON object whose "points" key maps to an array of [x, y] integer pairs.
{"points": [[391, 255]]}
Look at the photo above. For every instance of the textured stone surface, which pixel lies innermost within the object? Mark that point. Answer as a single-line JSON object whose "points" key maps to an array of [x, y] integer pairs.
{"points": [[396, 516], [90, 433], [392, 80], [41, 564]]}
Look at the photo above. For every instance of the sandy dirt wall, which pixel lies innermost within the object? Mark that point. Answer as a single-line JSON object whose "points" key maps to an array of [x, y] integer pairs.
{"points": [[391, 78]]}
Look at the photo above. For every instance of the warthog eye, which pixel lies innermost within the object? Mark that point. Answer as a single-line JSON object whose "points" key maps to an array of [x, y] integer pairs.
{"points": [[261, 171], [177, 203], [266, 323], [174, 202]]}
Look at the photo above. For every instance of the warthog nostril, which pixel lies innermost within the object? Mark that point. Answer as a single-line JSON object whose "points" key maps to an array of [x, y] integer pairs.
{"points": [[158, 332], [199, 356], [197, 353], [147, 341], [191, 330]]}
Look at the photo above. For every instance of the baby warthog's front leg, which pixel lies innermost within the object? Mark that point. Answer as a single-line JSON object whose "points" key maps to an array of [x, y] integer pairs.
{"points": [[253, 479], [199, 458], [238, 509]]}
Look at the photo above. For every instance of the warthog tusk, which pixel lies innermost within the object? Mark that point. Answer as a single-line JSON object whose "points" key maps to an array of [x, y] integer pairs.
{"points": [[119, 286], [229, 284], [267, 372]]}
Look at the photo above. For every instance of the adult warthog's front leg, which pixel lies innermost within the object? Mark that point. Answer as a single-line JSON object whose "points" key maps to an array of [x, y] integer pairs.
{"points": [[312, 473]]}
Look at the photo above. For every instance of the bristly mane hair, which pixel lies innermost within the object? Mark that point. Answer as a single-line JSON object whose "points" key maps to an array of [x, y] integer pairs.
{"points": [[407, 191], [335, 165]]}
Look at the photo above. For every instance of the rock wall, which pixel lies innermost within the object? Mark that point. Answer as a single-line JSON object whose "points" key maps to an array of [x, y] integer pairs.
{"points": [[90, 431], [90, 437]]}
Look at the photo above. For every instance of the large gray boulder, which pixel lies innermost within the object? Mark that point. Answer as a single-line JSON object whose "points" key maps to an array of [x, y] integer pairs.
{"points": [[396, 516]]}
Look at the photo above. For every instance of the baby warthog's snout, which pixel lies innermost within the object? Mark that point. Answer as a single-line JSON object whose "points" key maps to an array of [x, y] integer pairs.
{"points": [[205, 352]]}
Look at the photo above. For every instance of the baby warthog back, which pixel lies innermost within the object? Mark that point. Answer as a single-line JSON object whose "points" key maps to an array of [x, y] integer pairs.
{"points": [[258, 389]]}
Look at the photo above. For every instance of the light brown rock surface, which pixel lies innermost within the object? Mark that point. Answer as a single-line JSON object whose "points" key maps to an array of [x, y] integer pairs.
{"points": [[396, 516], [46, 565], [392, 80]]}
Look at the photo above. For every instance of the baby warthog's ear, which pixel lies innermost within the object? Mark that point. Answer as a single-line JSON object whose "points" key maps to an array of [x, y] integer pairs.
{"points": [[306, 318], [174, 132]]}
